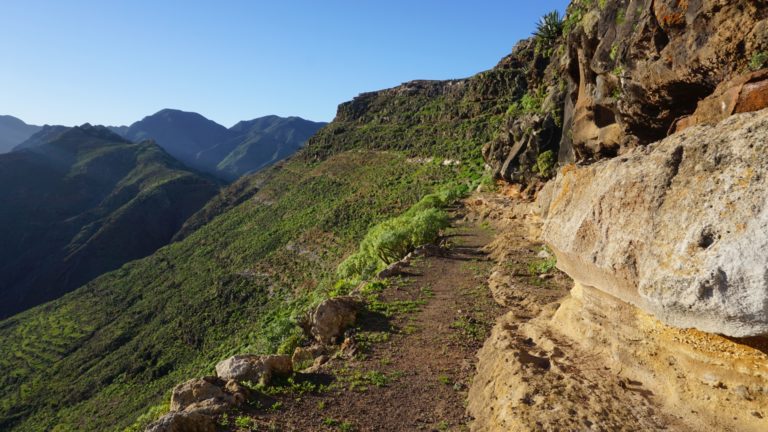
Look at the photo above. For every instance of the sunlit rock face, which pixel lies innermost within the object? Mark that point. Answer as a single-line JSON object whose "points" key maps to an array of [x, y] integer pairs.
{"points": [[677, 228]]}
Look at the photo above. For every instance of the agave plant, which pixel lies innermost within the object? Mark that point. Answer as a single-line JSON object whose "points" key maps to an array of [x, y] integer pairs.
{"points": [[549, 28]]}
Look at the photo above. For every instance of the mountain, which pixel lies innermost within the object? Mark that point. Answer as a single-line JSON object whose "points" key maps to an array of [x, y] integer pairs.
{"points": [[13, 132], [45, 135], [82, 201], [258, 143], [182, 134], [228, 153]]}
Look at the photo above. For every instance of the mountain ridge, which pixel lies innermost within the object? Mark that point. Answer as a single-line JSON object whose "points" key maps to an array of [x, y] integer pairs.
{"points": [[14, 131], [95, 186]]}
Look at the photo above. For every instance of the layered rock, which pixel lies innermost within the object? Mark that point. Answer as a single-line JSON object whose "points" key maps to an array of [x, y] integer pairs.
{"points": [[745, 93], [713, 382], [676, 228]]}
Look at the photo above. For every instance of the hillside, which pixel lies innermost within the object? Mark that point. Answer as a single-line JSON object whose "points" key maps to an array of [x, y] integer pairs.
{"points": [[234, 283], [84, 201], [13, 132], [227, 153]]}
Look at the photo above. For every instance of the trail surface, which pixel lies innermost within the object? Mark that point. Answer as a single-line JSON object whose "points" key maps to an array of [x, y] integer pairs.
{"points": [[414, 354]]}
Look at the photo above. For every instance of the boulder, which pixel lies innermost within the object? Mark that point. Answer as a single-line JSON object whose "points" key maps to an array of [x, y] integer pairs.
{"points": [[254, 368], [393, 269], [677, 228], [304, 357], [183, 422], [198, 390], [331, 317]]}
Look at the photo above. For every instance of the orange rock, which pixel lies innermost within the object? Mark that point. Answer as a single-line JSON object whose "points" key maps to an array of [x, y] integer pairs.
{"points": [[745, 93]]}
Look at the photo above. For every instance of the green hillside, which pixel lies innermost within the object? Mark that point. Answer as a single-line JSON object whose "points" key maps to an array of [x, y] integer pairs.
{"points": [[85, 201], [255, 256]]}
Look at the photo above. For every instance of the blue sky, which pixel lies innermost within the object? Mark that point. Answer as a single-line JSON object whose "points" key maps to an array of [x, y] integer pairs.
{"points": [[113, 62]]}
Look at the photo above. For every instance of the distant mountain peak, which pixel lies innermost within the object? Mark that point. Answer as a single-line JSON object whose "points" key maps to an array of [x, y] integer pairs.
{"points": [[13, 131]]}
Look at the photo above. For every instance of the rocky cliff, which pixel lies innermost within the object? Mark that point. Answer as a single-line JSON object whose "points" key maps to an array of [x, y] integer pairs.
{"points": [[657, 212]]}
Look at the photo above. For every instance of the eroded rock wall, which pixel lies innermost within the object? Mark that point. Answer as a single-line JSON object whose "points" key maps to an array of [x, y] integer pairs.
{"points": [[677, 228], [635, 66]]}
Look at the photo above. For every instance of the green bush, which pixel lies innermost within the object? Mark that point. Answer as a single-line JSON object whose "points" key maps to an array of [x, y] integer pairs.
{"points": [[548, 31], [392, 239], [758, 60], [545, 163]]}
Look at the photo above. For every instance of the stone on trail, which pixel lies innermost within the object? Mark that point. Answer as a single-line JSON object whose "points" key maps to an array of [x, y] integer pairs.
{"points": [[254, 368], [331, 317]]}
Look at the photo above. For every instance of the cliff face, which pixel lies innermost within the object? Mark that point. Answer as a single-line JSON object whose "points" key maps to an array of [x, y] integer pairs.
{"points": [[623, 73], [657, 212], [445, 119], [634, 67]]}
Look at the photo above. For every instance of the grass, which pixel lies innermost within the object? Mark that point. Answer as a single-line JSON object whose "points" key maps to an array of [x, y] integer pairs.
{"points": [[469, 328], [542, 266], [392, 239], [360, 381]]}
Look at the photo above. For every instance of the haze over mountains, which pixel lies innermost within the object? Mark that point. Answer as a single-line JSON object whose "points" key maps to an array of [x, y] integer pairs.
{"points": [[14, 131], [198, 142]]}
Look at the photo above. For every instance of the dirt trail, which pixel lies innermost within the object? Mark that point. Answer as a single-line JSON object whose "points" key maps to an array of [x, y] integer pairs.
{"points": [[415, 353]]}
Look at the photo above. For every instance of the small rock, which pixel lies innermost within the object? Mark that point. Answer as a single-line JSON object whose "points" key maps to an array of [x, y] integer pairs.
{"points": [[543, 254], [183, 422], [306, 355], [319, 362], [331, 317], [743, 392], [254, 368]]}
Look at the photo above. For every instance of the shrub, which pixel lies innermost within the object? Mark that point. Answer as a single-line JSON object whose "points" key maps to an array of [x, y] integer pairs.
{"points": [[392, 239], [548, 29], [545, 163], [758, 60]]}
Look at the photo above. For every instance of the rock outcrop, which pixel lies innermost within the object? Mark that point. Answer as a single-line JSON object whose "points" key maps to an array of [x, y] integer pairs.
{"points": [[745, 93], [634, 67], [195, 403], [676, 228], [254, 368]]}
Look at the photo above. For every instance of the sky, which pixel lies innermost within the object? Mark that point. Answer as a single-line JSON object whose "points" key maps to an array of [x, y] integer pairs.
{"points": [[114, 62]]}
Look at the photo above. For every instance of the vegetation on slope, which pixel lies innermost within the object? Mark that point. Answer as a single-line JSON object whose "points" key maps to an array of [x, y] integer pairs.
{"points": [[256, 256], [83, 202], [96, 358]]}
